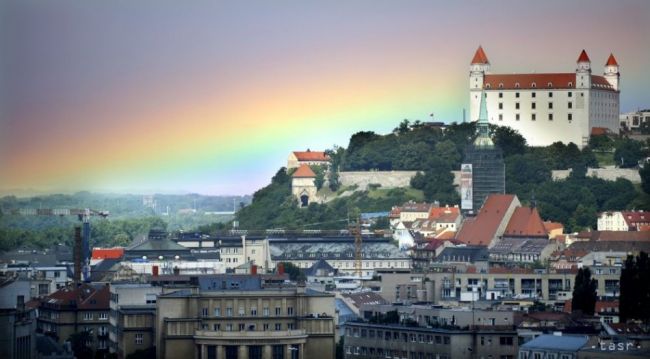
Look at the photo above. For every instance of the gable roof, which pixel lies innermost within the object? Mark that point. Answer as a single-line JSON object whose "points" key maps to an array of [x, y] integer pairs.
{"points": [[481, 229], [469, 254], [480, 57], [304, 171], [540, 82], [311, 156], [87, 297], [525, 222], [634, 217]]}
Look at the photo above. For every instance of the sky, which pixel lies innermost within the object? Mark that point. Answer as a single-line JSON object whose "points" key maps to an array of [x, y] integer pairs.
{"points": [[211, 96]]}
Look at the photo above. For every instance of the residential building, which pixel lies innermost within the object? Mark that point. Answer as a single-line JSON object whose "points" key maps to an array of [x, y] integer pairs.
{"points": [[232, 249], [623, 220], [632, 121], [17, 321], [245, 317], [298, 158], [548, 107], [74, 309], [132, 317], [553, 346]]}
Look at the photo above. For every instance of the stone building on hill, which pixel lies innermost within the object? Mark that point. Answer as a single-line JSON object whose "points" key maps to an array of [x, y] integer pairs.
{"points": [[303, 185], [299, 158]]}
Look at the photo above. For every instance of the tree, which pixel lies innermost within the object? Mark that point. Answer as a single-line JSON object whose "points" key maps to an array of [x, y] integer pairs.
{"points": [[628, 153], [634, 300], [584, 292], [509, 141], [644, 172], [294, 272], [78, 342]]}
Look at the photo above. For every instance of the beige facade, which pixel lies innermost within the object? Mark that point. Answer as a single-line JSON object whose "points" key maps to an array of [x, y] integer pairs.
{"points": [[132, 318], [304, 189], [265, 323]]}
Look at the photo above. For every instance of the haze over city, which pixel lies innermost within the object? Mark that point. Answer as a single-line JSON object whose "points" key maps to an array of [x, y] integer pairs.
{"points": [[210, 97]]}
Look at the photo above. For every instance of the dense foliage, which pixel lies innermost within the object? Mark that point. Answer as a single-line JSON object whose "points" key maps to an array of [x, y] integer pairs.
{"points": [[584, 292], [635, 288]]}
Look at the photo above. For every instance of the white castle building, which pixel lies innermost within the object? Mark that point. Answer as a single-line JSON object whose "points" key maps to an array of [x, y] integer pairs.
{"points": [[548, 107]]}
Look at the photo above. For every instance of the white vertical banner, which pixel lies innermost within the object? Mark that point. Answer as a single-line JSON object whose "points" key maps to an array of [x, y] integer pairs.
{"points": [[466, 186]]}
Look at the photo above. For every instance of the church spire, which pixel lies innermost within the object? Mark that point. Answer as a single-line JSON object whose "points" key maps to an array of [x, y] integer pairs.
{"points": [[483, 139]]}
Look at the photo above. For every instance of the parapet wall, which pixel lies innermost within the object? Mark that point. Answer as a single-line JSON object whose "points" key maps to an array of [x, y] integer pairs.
{"points": [[387, 179], [607, 173]]}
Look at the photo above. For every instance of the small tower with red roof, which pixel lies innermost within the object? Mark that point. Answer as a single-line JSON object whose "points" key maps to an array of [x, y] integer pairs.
{"points": [[479, 66], [583, 71], [303, 185], [611, 72]]}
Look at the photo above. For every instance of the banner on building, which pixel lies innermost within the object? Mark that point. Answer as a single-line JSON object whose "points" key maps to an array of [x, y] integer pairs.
{"points": [[466, 186]]}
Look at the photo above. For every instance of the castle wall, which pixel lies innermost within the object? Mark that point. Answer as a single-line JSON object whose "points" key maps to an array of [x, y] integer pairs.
{"points": [[387, 179]]}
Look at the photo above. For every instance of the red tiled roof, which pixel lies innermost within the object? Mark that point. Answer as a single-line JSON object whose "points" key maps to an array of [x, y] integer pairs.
{"points": [[304, 171], [311, 156], [481, 229], [480, 57], [583, 57], [441, 214], [85, 297], [644, 228], [599, 131], [632, 217], [525, 222], [549, 226], [514, 270], [540, 81], [611, 61], [446, 235], [416, 207], [108, 253]]}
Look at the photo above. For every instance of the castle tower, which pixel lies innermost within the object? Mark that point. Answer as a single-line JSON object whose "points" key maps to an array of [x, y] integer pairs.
{"points": [[611, 72], [477, 70], [583, 71], [303, 185]]}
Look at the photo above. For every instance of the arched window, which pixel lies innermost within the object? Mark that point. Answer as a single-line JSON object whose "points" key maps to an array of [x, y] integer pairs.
{"points": [[487, 86], [517, 85], [533, 85], [550, 84], [500, 85]]}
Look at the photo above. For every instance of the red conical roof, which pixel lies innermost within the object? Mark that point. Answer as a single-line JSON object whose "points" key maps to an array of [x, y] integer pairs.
{"points": [[480, 57], [611, 61], [583, 57]]}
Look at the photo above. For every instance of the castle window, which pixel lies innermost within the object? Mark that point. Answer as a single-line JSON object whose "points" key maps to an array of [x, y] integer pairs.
{"points": [[570, 85], [550, 105], [516, 105], [533, 85], [570, 117], [550, 117], [549, 85], [500, 105], [550, 94], [487, 86], [500, 94], [517, 94], [533, 117], [500, 85], [532, 105], [570, 104], [570, 94], [500, 117], [517, 86], [532, 95], [517, 117]]}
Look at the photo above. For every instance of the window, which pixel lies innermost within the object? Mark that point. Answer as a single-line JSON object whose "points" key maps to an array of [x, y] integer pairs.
{"points": [[289, 310], [505, 341], [517, 86], [254, 311], [517, 117], [216, 327], [242, 326], [291, 326], [229, 327], [139, 338], [501, 93], [229, 312], [500, 86], [550, 117], [570, 117], [278, 311], [533, 117], [278, 326], [500, 117], [533, 105], [570, 104], [103, 316], [265, 326], [265, 311], [516, 105], [517, 93], [533, 85], [204, 312], [550, 105], [570, 93], [532, 95], [217, 312], [150, 298], [88, 316], [57, 274], [242, 312], [500, 105]]}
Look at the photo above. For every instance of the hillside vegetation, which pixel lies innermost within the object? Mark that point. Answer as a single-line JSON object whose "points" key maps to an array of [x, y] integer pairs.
{"points": [[574, 201]]}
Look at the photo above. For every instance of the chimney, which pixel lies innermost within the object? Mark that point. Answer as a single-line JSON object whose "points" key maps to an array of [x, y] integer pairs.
{"points": [[77, 254], [280, 268], [253, 269], [154, 269]]}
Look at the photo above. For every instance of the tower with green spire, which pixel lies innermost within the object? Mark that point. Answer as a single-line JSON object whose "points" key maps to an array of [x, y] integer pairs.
{"points": [[486, 159]]}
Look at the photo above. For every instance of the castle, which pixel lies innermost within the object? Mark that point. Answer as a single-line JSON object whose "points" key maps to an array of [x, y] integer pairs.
{"points": [[548, 107]]}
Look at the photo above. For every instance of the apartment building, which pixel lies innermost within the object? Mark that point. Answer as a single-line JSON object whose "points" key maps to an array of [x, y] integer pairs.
{"points": [[244, 316]]}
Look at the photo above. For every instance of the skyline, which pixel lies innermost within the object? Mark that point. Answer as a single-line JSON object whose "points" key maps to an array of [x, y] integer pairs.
{"points": [[212, 97]]}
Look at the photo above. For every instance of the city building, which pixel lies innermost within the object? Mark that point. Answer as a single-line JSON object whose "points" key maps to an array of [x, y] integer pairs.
{"points": [[245, 317], [17, 321], [77, 309], [298, 158], [548, 107], [623, 220], [232, 249], [132, 317], [553, 346], [490, 222], [632, 121]]}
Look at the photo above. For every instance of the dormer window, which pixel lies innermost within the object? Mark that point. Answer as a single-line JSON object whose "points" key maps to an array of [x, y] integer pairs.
{"points": [[517, 85], [533, 85], [550, 84], [570, 84], [501, 85], [487, 86]]}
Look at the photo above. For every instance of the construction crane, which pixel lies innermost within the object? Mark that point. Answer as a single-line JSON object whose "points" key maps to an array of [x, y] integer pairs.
{"points": [[82, 234]]}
